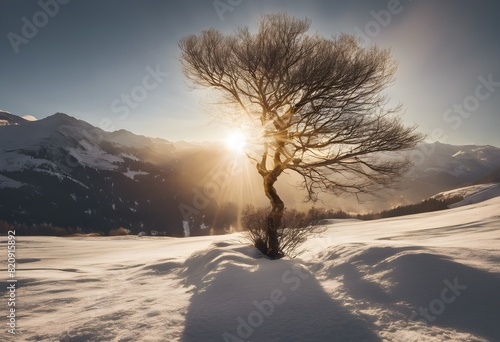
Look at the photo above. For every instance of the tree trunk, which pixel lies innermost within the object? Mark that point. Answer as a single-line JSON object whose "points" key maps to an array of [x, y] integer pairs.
{"points": [[274, 217]]}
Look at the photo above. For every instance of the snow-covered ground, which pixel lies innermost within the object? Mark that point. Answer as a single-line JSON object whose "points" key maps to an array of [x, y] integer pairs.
{"points": [[426, 277]]}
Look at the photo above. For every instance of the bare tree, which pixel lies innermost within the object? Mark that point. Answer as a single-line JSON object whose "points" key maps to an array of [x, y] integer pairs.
{"points": [[319, 103]]}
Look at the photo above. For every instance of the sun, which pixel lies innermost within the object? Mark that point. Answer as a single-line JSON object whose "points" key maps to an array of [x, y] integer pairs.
{"points": [[236, 141]]}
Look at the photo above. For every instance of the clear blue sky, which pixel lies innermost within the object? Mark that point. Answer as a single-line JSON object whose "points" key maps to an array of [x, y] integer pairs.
{"points": [[84, 58]]}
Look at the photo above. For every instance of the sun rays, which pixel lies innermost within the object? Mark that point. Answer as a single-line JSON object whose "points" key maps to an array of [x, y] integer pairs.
{"points": [[236, 141]]}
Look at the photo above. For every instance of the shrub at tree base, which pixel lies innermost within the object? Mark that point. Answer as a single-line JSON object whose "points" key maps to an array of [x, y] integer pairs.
{"points": [[119, 231], [297, 227]]}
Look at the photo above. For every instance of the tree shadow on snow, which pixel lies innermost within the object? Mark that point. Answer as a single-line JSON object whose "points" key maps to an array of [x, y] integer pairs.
{"points": [[438, 290], [455, 295], [238, 297]]}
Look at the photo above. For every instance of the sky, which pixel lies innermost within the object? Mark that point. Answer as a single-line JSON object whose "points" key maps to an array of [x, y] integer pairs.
{"points": [[115, 63]]}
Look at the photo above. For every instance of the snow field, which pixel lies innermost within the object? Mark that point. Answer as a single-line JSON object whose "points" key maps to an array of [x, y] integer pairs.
{"points": [[425, 277]]}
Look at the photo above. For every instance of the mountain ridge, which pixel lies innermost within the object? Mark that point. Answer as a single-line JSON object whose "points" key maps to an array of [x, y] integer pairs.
{"points": [[65, 171], [7, 119]]}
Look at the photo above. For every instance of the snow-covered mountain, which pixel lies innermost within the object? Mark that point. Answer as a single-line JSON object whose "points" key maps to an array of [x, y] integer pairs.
{"points": [[64, 171], [7, 119], [440, 167], [462, 162]]}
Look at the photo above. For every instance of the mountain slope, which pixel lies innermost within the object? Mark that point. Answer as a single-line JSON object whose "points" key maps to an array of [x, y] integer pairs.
{"points": [[440, 167], [64, 171], [493, 177], [463, 162], [7, 119]]}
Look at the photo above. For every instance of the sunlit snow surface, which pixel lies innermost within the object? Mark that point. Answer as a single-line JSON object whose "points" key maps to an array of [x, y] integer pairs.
{"points": [[360, 281]]}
